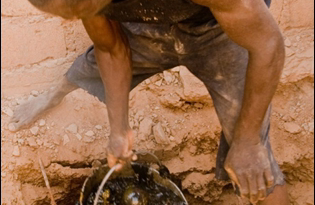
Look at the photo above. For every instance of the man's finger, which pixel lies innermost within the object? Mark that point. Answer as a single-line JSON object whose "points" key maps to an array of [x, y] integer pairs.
{"points": [[134, 157], [130, 139], [269, 177], [128, 155], [232, 175], [244, 189], [119, 167], [111, 160], [262, 193], [253, 188]]}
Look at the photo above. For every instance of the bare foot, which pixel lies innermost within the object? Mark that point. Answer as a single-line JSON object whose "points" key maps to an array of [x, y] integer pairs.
{"points": [[30, 110]]}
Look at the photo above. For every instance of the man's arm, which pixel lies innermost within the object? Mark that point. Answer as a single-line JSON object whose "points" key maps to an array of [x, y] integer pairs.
{"points": [[113, 58], [250, 24]]}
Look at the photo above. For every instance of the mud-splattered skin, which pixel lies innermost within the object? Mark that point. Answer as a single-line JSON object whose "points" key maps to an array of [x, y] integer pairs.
{"points": [[249, 24]]}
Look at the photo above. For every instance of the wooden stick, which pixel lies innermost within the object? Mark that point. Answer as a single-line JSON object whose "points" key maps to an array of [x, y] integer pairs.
{"points": [[46, 181]]}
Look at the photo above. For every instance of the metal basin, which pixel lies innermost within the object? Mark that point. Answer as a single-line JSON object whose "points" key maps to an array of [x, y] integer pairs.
{"points": [[94, 181]]}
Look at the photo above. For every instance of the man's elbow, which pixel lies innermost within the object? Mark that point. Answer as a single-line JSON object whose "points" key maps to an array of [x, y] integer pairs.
{"points": [[278, 48], [271, 47], [270, 52], [278, 43], [275, 48]]}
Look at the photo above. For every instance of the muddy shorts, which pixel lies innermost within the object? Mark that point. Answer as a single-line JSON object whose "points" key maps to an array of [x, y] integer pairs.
{"points": [[206, 51]]}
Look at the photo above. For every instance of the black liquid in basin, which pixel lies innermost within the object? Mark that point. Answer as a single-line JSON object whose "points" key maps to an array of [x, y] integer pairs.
{"points": [[140, 189]]}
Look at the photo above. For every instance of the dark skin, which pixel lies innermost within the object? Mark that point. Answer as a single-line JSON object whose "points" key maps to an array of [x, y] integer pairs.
{"points": [[249, 24], [112, 52]]}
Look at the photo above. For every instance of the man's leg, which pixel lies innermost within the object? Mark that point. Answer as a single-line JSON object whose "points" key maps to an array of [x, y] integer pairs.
{"points": [[30, 110], [82, 74], [221, 65], [151, 54]]}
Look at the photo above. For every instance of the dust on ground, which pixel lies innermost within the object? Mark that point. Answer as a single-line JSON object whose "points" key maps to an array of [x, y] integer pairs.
{"points": [[173, 117]]}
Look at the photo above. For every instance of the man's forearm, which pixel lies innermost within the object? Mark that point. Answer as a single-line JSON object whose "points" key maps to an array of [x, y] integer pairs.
{"points": [[263, 74], [112, 55], [116, 75]]}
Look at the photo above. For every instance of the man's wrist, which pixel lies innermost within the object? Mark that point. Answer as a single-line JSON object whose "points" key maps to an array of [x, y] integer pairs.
{"points": [[122, 131], [246, 134], [253, 140]]}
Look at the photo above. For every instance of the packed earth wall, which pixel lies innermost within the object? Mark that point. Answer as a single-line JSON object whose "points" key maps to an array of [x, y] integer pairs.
{"points": [[37, 49]]}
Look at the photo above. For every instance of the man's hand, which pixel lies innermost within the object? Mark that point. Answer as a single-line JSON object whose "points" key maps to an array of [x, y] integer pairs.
{"points": [[119, 149], [248, 166]]}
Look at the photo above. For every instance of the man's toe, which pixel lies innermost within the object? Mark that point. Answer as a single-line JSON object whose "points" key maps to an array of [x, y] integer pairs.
{"points": [[12, 127]]}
